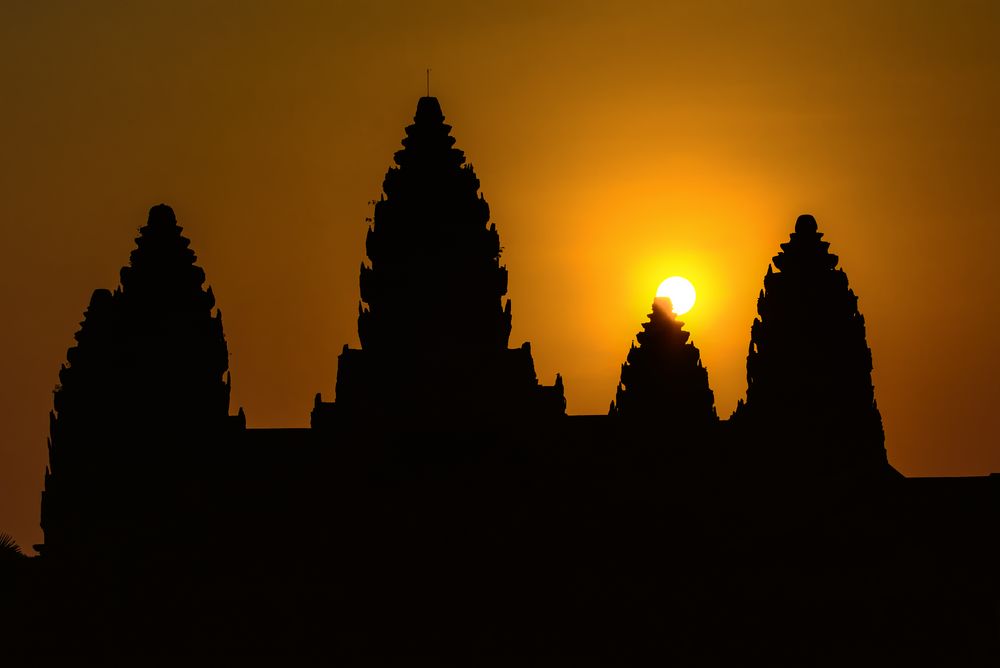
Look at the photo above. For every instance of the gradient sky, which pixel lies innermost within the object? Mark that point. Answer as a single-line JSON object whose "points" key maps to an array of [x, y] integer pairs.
{"points": [[617, 143]]}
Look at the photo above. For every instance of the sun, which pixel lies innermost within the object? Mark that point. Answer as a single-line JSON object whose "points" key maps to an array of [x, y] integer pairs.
{"points": [[680, 292]]}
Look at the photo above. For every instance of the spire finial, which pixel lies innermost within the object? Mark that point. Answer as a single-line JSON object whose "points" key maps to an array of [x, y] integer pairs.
{"points": [[428, 82]]}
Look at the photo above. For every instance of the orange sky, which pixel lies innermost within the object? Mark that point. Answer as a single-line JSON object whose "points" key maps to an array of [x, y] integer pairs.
{"points": [[617, 144]]}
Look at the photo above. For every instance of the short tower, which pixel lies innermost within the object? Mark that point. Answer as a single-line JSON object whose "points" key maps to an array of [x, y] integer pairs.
{"points": [[663, 378]]}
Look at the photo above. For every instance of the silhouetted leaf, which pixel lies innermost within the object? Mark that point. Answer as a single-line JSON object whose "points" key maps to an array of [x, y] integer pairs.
{"points": [[9, 547]]}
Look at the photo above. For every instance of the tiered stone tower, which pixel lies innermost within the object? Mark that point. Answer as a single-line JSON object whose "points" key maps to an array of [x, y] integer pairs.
{"points": [[145, 387], [663, 379], [810, 393], [433, 327]]}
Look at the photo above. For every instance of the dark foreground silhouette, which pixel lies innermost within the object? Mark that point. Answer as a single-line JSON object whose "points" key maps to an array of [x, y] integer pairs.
{"points": [[445, 506]]}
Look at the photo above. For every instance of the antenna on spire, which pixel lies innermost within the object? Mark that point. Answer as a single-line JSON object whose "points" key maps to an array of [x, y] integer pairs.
{"points": [[428, 82]]}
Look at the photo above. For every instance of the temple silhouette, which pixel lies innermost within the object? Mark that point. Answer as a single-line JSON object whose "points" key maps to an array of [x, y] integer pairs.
{"points": [[443, 504]]}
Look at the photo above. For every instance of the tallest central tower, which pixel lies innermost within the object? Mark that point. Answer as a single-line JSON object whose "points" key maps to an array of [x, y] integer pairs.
{"points": [[433, 323]]}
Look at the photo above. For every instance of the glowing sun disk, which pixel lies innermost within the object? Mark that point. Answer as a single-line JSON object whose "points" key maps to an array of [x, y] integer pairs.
{"points": [[680, 292]]}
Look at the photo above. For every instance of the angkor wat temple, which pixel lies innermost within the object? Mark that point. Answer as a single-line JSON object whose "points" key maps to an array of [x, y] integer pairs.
{"points": [[445, 505]]}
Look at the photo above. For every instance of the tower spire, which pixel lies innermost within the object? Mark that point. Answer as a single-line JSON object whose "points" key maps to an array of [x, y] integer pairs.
{"points": [[446, 356], [809, 366]]}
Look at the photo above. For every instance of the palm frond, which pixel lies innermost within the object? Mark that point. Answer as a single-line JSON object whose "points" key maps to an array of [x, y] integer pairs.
{"points": [[8, 546]]}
